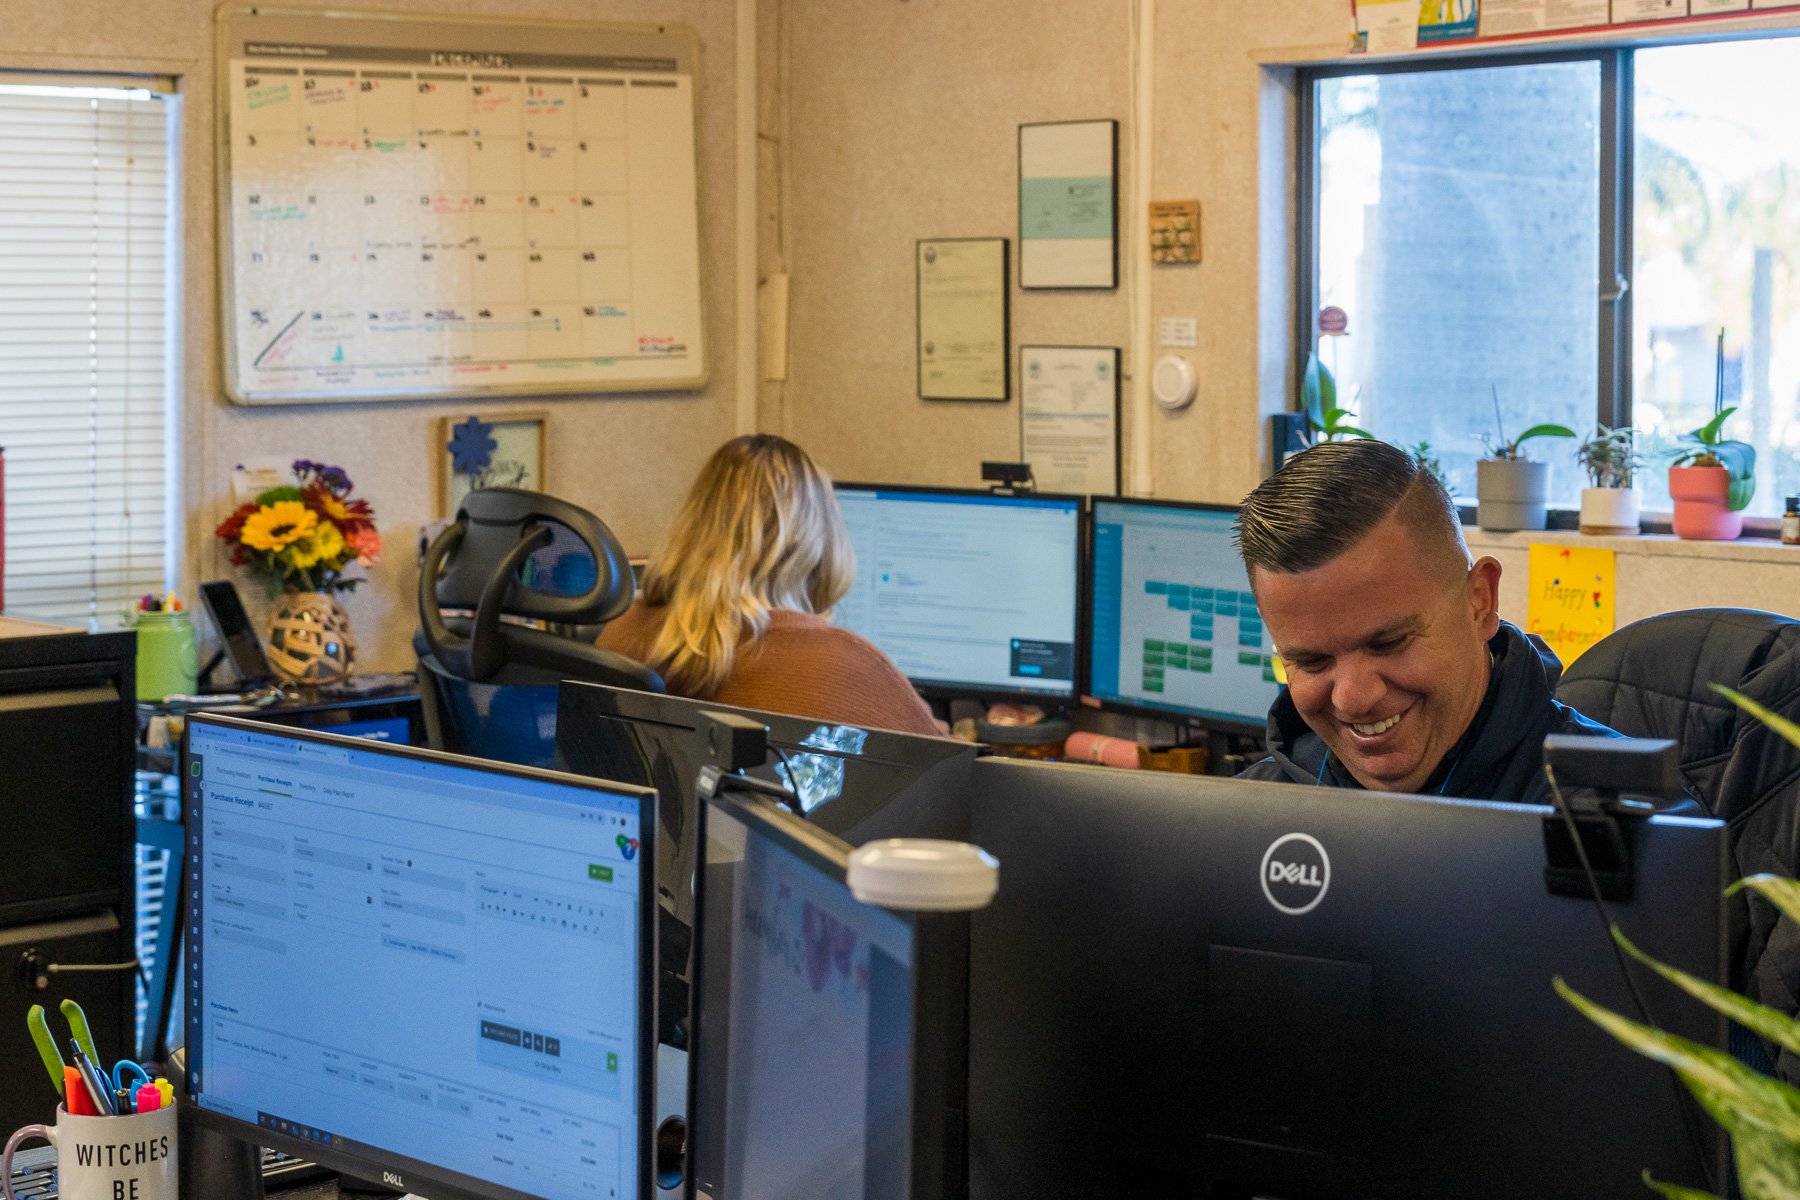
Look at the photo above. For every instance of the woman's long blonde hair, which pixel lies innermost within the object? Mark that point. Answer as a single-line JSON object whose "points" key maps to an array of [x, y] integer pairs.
{"points": [[760, 530]]}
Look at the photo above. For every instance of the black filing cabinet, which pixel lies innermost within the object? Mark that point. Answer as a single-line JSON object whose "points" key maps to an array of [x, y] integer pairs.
{"points": [[68, 729]]}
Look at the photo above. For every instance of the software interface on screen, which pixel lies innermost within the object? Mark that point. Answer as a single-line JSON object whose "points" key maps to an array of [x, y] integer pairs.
{"points": [[1174, 625], [399, 957], [966, 591], [820, 1058]]}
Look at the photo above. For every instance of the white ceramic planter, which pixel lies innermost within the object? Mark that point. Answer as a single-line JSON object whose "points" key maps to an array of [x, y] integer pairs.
{"points": [[1609, 511], [1512, 494]]}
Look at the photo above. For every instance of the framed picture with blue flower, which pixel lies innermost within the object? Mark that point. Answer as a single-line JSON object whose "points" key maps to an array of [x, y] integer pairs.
{"points": [[483, 451]]}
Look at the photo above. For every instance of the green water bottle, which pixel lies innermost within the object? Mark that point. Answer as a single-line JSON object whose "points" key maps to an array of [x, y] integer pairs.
{"points": [[168, 659]]}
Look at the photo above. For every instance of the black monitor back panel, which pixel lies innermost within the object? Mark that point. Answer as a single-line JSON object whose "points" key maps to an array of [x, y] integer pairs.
{"points": [[1174, 995]]}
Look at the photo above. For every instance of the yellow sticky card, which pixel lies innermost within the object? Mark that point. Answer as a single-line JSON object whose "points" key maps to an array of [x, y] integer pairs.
{"points": [[1570, 598], [1280, 671]]}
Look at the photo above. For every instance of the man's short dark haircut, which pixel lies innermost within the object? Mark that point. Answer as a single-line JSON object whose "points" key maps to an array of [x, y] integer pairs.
{"points": [[1325, 500]]}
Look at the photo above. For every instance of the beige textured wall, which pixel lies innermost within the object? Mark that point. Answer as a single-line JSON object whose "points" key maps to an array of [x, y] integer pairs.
{"points": [[903, 124], [627, 457]]}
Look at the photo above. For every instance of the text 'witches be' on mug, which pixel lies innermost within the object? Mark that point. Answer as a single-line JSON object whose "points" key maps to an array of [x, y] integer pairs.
{"points": [[105, 1158]]}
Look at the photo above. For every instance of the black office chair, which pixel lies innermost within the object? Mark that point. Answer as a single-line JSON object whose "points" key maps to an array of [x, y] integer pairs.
{"points": [[1651, 679], [486, 680]]}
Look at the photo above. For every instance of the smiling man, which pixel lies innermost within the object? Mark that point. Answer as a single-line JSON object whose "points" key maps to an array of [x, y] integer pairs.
{"points": [[1401, 675]]}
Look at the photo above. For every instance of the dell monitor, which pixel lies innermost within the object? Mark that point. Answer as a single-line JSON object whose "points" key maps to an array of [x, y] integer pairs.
{"points": [[970, 593], [1173, 630], [828, 1045], [1195, 987], [416, 968]]}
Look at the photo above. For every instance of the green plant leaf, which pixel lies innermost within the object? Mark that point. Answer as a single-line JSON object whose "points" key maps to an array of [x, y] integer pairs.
{"points": [[1739, 459], [1768, 1166], [1765, 1022], [1317, 392], [1708, 434], [1734, 1094], [1675, 1191], [1354, 432], [279, 493], [1334, 415], [1537, 431], [1782, 893]]}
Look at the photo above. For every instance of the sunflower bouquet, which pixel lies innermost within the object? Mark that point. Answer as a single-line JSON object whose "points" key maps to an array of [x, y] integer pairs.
{"points": [[303, 538]]}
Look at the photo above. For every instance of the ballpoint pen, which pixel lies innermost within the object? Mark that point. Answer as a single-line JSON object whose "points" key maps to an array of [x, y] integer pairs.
{"points": [[97, 1090], [46, 1045]]}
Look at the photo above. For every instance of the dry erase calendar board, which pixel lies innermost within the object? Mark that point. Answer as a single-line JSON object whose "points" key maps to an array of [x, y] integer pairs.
{"points": [[423, 207]]}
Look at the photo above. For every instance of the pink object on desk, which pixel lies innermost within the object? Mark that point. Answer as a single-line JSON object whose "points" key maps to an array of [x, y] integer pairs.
{"points": [[1098, 748]]}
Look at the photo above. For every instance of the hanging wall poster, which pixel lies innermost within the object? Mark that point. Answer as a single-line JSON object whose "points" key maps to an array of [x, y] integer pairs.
{"points": [[1069, 205], [1569, 597], [1069, 418], [1500, 18], [1625, 12], [1447, 20], [963, 337]]}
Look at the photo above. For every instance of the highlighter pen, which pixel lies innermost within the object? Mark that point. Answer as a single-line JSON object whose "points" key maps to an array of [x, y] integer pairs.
{"points": [[149, 1099], [168, 1091], [75, 1094]]}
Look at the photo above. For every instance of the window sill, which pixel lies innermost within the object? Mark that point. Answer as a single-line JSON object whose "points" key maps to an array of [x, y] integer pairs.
{"points": [[1648, 545]]}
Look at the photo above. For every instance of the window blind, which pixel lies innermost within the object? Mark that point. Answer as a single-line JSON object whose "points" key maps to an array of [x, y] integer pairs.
{"points": [[86, 206]]}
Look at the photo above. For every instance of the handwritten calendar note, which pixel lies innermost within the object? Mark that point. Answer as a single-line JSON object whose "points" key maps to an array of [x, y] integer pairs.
{"points": [[420, 208], [1570, 598]]}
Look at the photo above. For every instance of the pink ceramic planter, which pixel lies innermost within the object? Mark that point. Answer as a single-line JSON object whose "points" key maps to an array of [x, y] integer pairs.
{"points": [[1700, 512]]}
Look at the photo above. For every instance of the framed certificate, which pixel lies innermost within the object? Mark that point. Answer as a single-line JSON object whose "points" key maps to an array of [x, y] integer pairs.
{"points": [[1069, 205], [963, 319], [1069, 418]]}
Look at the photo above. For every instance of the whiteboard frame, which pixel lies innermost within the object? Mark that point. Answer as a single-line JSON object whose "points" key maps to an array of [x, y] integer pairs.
{"points": [[232, 10]]}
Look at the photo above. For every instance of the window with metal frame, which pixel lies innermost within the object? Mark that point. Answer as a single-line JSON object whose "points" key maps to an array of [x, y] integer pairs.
{"points": [[1596, 236], [88, 204]]}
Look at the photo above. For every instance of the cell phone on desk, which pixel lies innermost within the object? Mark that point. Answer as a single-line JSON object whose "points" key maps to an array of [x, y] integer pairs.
{"points": [[242, 646]]}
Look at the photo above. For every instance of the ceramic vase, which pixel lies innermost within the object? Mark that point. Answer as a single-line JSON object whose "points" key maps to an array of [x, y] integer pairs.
{"points": [[1512, 494], [1609, 511], [309, 639], [1699, 494]]}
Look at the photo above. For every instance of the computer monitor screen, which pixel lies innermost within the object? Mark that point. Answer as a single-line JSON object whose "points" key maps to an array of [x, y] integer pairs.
{"points": [[1218, 988], [822, 1039], [968, 592], [417, 968], [1172, 626], [856, 783]]}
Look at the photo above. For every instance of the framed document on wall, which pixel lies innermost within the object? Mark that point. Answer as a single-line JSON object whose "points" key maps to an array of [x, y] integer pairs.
{"points": [[1069, 418], [963, 319], [1069, 205]]}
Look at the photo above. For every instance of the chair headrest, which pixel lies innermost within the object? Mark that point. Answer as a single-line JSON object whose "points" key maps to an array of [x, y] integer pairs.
{"points": [[520, 554]]}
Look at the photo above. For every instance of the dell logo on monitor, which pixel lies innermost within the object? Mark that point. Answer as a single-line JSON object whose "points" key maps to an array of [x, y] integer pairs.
{"points": [[1296, 872], [392, 1179]]}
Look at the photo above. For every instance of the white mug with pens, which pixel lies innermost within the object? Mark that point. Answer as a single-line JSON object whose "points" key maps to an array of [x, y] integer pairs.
{"points": [[115, 1133]]}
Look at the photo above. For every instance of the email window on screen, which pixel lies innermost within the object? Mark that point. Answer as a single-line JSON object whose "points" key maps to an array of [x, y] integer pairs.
{"points": [[966, 590], [495, 931]]}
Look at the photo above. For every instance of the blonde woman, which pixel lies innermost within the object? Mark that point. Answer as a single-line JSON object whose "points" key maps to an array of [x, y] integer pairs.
{"points": [[734, 606]]}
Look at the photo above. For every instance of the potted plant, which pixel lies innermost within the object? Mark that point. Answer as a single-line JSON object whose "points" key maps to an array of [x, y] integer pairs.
{"points": [[1325, 421], [1512, 491], [1712, 483], [1610, 457]]}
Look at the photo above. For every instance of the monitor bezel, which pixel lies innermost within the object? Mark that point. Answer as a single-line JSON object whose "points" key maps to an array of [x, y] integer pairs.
{"points": [[416, 1175], [1175, 714], [936, 1159], [969, 690]]}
